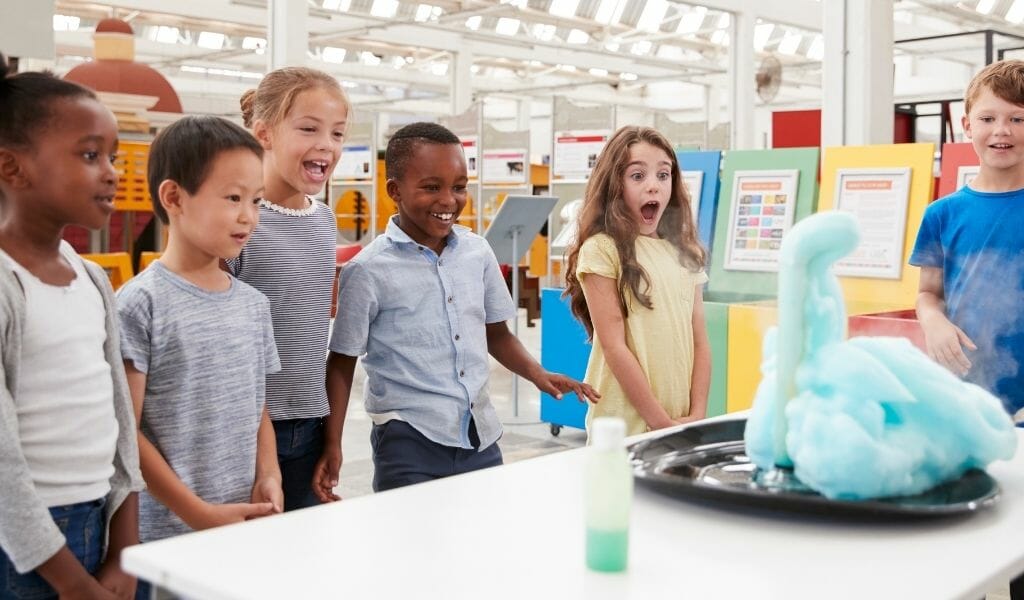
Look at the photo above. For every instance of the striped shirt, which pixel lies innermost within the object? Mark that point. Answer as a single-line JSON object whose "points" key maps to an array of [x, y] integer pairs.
{"points": [[290, 258]]}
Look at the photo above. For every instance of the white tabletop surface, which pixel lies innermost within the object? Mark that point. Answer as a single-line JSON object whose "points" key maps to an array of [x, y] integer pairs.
{"points": [[517, 532]]}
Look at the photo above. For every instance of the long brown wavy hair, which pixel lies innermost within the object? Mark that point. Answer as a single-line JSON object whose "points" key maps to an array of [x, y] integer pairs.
{"points": [[605, 211]]}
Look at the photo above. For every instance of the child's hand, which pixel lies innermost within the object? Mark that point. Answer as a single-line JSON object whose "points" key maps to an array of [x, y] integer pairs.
{"points": [[325, 475], [557, 384], [945, 342], [266, 490], [92, 590], [119, 583], [216, 515]]}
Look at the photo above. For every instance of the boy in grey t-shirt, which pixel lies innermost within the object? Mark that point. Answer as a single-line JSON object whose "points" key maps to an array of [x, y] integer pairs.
{"points": [[198, 343]]}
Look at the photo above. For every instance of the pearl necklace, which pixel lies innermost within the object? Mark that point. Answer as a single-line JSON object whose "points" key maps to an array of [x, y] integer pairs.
{"points": [[291, 212]]}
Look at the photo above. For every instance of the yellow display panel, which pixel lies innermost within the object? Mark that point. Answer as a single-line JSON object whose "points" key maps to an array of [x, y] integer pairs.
{"points": [[902, 292]]}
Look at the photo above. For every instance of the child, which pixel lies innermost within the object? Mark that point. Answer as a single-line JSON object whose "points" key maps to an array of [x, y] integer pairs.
{"points": [[298, 115], [68, 456], [969, 247], [634, 278], [197, 343], [426, 303]]}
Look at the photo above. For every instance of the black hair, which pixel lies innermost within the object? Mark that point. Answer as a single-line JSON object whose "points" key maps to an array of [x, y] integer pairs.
{"points": [[402, 145], [26, 103], [184, 153]]}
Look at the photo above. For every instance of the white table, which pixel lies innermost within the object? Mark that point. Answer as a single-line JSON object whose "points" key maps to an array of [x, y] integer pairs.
{"points": [[517, 532]]}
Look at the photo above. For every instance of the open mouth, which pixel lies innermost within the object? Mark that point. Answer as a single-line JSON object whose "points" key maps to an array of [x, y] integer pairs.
{"points": [[1001, 146], [446, 217], [649, 211], [240, 237], [317, 169], [106, 201]]}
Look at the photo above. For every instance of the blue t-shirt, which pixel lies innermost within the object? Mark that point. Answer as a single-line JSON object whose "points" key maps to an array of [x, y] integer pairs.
{"points": [[976, 239]]}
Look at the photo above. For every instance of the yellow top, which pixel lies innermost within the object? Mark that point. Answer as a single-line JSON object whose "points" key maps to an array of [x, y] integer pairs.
{"points": [[660, 337]]}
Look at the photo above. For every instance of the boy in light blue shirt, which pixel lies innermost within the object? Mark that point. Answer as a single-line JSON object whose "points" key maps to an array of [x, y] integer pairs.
{"points": [[426, 303]]}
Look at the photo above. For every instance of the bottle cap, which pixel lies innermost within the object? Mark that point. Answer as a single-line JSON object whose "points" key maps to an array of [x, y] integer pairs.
{"points": [[607, 432]]}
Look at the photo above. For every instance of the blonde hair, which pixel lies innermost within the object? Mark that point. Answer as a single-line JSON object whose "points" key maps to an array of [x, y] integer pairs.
{"points": [[1004, 78], [276, 93], [605, 211]]}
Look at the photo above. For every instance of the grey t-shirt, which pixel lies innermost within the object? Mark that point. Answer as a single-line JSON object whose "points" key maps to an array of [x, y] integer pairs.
{"points": [[206, 356]]}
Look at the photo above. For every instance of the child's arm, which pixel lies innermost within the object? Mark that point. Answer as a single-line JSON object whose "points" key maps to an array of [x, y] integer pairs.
{"points": [[509, 351], [340, 369], [700, 381], [944, 340], [602, 296], [124, 532], [69, 579], [267, 485], [164, 485]]}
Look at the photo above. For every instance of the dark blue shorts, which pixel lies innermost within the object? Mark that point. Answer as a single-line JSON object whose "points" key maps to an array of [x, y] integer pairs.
{"points": [[404, 456]]}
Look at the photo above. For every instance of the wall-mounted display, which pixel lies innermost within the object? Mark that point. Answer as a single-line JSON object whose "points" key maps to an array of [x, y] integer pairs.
{"points": [[354, 163], [694, 182], [762, 208], [506, 166], [575, 153], [878, 198], [965, 174]]}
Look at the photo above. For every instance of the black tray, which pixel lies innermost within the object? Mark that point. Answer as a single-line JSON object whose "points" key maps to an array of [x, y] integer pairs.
{"points": [[708, 462]]}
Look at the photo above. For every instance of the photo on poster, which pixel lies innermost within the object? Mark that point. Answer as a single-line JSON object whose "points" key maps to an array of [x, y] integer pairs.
{"points": [[965, 174], [354, 163], [505, 166], [471, 148], [575, 153], [878, 199], [762, 209], [694, 182]]}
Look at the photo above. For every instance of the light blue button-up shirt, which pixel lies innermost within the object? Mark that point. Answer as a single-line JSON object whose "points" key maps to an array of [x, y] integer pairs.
{"points": [[420, 319]]}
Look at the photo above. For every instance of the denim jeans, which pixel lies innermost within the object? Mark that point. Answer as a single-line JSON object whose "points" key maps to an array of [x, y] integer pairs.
{"points": [[300, 442], [85, 529]]}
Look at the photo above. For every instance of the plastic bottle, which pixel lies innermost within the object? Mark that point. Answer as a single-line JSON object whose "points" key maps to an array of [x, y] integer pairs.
{"points": [[608, 496]]}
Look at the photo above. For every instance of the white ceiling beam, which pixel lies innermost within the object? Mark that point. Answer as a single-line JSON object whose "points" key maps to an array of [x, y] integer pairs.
{"points": [[805, 14]]}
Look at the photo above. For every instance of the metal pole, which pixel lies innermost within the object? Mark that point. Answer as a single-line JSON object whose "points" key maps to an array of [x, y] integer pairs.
{"points": [[515, 318]]}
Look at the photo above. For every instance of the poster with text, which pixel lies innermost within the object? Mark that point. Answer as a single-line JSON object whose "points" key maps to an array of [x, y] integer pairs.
{"points": [[965, 174], [694, 182], [472, 150], [762, 209], [576, 152], [878, 198], [508, 166], [354, 163]]}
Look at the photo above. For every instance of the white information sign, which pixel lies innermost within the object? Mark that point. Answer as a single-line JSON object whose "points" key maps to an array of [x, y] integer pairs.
{"points": [[471, 147], [575, 153], [354, 163], [878, 198], [694, 182], [965, 174], [761, 211], [507, 166]]}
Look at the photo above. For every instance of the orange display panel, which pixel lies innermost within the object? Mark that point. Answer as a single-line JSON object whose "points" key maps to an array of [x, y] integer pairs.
{"points": [[132, 188]]}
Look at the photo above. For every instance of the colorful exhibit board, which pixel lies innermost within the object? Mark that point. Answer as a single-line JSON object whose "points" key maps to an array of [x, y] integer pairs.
{"points": [[563, 349], [887, 188], [702, 167], [772, 186], [959, 165]]}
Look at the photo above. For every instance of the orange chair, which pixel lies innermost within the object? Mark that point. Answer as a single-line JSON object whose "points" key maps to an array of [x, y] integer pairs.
{"points": [[147, 257], [118, 266], [342, 254]]}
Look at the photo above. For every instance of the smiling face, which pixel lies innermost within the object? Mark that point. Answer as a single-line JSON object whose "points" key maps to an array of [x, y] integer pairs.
{"points": [[69, 173], [304, 147], [996, 129], [218, 219], [431, 193], [647, 186]]}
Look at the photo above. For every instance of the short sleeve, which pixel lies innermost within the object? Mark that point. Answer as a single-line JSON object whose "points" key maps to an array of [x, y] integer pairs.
{"points": [[599, 256], [271, 360], [135, 320], [357, 308], [928, 247], [498, 305], [700, 278]]}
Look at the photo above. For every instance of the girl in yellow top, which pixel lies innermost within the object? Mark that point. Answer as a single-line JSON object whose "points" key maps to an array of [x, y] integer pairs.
{"points": [[634, 276]]}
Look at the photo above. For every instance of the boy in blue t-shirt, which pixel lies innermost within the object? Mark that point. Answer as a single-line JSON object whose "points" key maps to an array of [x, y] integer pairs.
{"points": [[970, 247], [425, 303]]}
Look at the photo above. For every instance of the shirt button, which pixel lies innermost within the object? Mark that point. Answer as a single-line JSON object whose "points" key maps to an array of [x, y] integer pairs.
{"points": [[462, 373], [456, 337], [449, 299], [440, 262]]}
